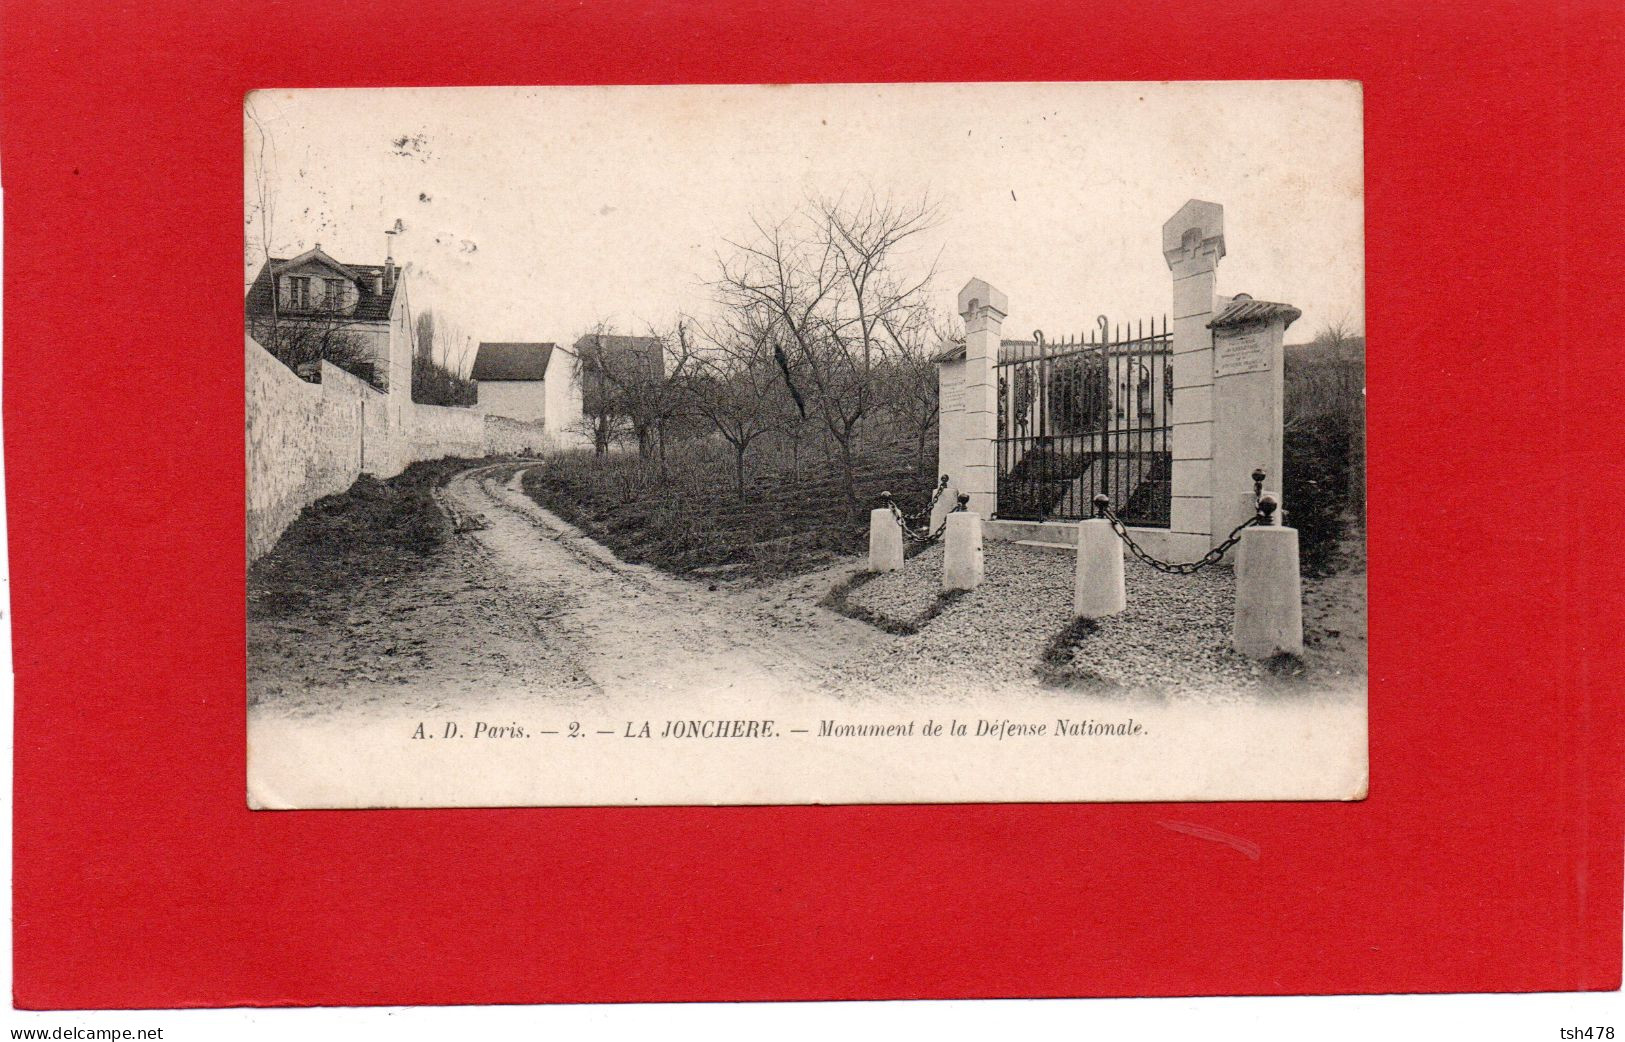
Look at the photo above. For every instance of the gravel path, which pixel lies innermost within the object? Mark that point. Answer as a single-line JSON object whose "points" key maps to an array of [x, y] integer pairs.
{"points": [[1172, 642], [989, 638]]}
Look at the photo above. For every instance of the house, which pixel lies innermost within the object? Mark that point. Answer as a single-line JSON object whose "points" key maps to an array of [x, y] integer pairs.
{"points": [[614, 369], [532, 382], [617, 361], [310, 307]]}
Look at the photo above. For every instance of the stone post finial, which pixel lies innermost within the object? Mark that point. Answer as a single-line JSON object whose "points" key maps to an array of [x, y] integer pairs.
{"points": [[978, 298], [1194, 234]]}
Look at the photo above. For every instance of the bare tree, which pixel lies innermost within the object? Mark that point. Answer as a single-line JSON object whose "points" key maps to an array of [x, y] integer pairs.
{"points": [[736, 386], [601, 418], [1345, 350], [439, 354], [423, 341], [637, 380], [263, 155], [1339, 341], [305, 338], [829, 279], [454, 347], [1332, 377], [456, 352], [657, 399], [909, 383], [302, 340]]}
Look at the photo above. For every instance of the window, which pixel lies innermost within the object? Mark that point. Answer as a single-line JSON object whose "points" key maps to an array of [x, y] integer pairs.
{"points": [[298, 292], [335, 294]]}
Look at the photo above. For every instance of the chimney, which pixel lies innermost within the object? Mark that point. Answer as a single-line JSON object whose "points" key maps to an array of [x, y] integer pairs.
{"points": [[389, 260]]}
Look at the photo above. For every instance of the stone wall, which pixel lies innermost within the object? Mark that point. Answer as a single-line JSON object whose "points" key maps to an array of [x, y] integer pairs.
{"points": [[281, 437], [304, 441], [437, 430], [381, 451], [336, 456], [505, 437]]}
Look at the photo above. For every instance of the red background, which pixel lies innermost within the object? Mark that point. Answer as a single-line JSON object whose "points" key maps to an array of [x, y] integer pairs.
{"points": [[1487, 857]]}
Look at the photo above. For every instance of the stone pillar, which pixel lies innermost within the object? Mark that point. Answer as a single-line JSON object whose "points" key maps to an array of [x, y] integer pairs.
{"points": [[962, 557], [885, 541], [1192, 244], [983, 308], [1248, 404], [1269, 594]]}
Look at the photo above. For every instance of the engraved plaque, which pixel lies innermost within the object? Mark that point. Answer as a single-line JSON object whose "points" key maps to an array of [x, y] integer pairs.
{"points": [[1241, 352]]}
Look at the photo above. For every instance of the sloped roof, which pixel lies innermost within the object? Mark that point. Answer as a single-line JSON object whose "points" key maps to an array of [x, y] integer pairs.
{"points": [[647, 349], [512, 360], [371, 307], [955, 352], [1245, 309]]}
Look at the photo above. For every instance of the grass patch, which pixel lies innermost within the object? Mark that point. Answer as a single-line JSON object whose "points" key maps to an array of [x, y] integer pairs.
{"points": [[839, 600], [1283, 665], [1057, 663], [373, 528], [683, 515], [1064, 645], [1289, 674], [944, 600]]}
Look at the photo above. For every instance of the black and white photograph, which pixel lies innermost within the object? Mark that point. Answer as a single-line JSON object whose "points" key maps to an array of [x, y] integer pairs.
{"points": [[904, 443]]}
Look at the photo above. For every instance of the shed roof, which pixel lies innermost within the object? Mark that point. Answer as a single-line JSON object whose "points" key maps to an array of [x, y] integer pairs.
{"points": [[511, 360], [1245, 309], [1008, 349]]}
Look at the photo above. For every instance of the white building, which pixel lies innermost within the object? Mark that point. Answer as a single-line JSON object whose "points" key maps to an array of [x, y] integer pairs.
{"points": [[532, 382], [311, 306]]}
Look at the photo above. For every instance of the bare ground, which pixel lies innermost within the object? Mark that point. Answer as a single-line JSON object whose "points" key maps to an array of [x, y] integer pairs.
{"points": [[528, 606]]}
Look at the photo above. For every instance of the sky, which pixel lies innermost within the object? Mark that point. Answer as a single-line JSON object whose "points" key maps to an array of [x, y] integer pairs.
{"points": [[534, 213]]}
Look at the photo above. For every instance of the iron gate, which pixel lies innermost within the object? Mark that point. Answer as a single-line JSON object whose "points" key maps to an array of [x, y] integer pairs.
{"points": [[1087, 416]]}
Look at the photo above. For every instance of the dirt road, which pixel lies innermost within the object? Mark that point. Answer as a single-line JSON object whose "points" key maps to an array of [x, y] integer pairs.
{"points": [[528, 608]]}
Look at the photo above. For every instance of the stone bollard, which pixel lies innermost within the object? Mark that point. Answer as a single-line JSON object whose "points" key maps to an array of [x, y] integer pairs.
{"points": [[885, 541], [1098, 589], [1269, 593], [962, 559]]}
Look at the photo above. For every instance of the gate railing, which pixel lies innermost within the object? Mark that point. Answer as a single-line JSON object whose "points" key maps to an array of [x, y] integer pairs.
{"points": [[1084, 417]]}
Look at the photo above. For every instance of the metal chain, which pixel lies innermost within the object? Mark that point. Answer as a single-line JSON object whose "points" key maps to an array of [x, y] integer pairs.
{"points": [[958, 509], [1266, 506], [909, 523], [925, 514], [1213, 556]]}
